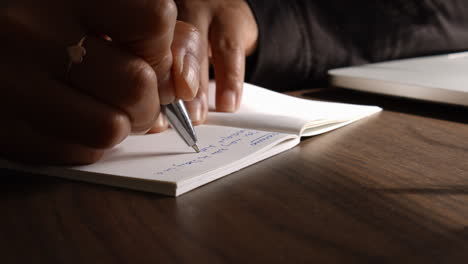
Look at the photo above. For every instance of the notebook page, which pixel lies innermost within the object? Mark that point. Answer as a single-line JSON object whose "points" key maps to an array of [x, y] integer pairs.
{"points": [[268, 110], [163, 163], [164, 157]]}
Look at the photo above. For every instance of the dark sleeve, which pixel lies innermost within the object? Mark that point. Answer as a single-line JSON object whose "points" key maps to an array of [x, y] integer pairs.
{"points": [[299, 40]]}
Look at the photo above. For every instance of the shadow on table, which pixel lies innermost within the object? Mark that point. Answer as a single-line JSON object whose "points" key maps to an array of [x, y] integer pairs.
{"points": [[16, 183], [13, 182], [392, 103]]}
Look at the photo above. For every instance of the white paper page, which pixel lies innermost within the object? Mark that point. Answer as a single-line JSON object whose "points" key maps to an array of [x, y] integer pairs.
{"points": [[272, 111], [163, 163], [164, 157]]}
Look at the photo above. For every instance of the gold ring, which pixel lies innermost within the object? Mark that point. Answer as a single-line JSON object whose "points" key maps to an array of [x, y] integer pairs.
{"points": [[76, 54]]}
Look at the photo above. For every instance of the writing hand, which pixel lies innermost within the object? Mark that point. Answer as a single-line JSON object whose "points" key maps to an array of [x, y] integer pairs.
{"points": [[116, 90]]}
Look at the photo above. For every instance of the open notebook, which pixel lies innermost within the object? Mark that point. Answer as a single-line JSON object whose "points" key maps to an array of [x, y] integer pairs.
{"points": [[266, 124]]}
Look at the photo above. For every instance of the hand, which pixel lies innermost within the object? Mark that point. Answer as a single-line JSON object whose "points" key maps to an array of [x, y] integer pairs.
{"points": [[116, 90], [229, 32]]}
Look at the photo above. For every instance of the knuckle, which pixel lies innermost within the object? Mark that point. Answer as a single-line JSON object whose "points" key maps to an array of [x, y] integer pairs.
{"points": [[227, 44], [158, 15], [115, 127], [163, 64], [167, 8], [142, 81], [141, 96], [233, 78]]}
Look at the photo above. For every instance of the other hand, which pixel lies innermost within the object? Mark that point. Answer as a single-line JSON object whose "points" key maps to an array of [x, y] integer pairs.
{"points": [[229, 33]]}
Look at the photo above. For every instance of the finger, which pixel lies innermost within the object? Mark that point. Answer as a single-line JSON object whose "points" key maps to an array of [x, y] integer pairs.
{"points": [[198, 107], [57, 110], [33, 38], [229, 63], [22, 142], [146, 28], [119, 79], [187, 52], [160, 125]]}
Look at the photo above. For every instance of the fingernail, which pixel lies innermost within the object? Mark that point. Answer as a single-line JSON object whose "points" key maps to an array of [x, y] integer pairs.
{"points": [[195, 111], [228, 101], [191, 72]]}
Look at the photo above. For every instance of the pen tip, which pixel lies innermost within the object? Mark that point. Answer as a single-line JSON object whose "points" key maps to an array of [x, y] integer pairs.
{"points": [[195, 147]]}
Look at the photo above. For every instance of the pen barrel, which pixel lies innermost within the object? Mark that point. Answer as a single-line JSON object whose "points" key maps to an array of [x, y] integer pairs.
{"points": [[178, 118]]}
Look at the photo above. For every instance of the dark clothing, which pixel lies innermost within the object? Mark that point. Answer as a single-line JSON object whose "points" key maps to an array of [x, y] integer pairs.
{"points": [[299, 40]]}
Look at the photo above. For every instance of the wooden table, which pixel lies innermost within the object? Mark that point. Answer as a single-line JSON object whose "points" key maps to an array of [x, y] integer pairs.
{"points": [[392, 188]]}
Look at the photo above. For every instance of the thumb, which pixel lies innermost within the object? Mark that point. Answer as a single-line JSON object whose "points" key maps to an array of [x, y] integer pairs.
{"points": [[187, 54]]}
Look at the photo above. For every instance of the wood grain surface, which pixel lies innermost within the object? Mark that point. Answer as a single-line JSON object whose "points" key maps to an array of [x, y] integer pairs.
{"points": [[392, 188]]}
